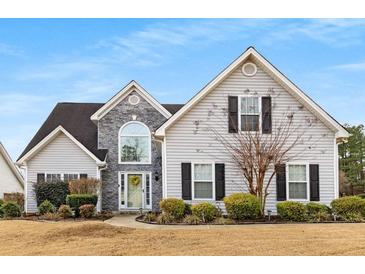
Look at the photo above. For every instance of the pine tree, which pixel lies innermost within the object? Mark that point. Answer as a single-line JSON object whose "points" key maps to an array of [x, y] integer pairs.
{"points": [[352, 156]]}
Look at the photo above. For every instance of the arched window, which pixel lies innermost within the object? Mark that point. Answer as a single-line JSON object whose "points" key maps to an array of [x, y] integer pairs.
{"points": [[134, 143]]}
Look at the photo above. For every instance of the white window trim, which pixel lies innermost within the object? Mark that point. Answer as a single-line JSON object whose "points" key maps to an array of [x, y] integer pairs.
{"points": [[287, 181], [249, 74], [239, 111], [125, 174], [62, 174], [193, 181], [120, 142]]}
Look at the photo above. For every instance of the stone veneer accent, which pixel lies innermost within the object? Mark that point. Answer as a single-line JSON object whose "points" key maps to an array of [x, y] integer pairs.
{"points": [[108, 130]]}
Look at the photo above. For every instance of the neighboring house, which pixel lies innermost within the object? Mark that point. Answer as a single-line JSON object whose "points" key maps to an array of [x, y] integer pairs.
{"points": [[144, 151], [10, 178]]}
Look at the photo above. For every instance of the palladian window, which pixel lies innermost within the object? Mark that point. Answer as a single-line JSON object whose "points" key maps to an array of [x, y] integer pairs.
{"points": [[135, 143]]}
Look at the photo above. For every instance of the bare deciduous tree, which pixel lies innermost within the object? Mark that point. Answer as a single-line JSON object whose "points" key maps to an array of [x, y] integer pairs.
{"points": [[257, 154]]}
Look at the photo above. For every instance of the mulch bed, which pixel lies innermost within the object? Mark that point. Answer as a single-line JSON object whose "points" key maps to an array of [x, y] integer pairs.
{"points": [[37, 218], [263, 221]]}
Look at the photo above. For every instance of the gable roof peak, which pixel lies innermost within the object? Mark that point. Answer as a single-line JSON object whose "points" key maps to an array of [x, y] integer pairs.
{"points": [[11, 164], [133, 85], [340, 131]]}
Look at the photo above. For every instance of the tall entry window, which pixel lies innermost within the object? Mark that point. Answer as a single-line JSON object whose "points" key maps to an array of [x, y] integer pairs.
{"points": [[134, 144]]}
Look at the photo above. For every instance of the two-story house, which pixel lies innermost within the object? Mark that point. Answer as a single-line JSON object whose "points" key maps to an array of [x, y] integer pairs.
{"points": [[143, 151]]}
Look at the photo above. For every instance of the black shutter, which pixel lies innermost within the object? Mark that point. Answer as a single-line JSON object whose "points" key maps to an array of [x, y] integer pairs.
{"points": [[266, 115], [280, 182], [314, 182], [232, 114], [186, 181], [220, 188], [83, 176], [41, 177]]}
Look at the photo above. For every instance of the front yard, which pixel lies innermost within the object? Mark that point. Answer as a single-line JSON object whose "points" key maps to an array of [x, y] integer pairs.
{"points": [[97, 238]]}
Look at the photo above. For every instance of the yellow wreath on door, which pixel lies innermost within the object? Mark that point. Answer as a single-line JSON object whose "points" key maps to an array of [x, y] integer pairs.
{"points": [[135, 180]]}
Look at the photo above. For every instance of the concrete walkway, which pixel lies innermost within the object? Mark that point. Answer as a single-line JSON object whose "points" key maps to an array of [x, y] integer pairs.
{"points": [[128, 220]]}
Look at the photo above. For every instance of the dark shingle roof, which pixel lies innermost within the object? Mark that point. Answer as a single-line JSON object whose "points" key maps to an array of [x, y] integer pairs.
{"points": [[172, 108], [75, 118]]}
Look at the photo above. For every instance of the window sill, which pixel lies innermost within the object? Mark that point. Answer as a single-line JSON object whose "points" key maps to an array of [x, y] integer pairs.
{"points": [[202, 199], [134, 163], [298, 200]]}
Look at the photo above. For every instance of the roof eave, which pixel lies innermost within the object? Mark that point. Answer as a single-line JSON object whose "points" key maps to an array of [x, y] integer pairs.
{"points": [[49, 138], [317, 111]]}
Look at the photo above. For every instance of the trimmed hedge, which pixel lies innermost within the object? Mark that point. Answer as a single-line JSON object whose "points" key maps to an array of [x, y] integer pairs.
{"points": [[350, 208], [292, 211], [174, 207], [205, 211], [77, 200], [11, 210], [242, 206], [46, 207], [317, 212], [187, 210], [55, 192], [315, 208]]}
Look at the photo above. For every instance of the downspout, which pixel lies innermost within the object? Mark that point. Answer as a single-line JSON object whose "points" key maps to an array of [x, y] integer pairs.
{"points": [[163, 171], [98, 175]]}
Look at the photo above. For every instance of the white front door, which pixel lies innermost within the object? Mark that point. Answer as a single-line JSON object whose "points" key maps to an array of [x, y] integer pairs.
{"points": [[134, 190]]}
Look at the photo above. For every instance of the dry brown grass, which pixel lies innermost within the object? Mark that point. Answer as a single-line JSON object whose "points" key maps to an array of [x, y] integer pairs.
{"points": [[97, 238]]}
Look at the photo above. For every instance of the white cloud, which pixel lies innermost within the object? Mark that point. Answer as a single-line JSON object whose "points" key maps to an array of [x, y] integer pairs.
{"points": [[157, 41], [13, 103], [351, 66], [332, 32], [10, 50], [60, 70]]}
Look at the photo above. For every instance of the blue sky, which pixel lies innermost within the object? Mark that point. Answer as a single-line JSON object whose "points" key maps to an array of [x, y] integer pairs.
{"points": [[46, 61]]}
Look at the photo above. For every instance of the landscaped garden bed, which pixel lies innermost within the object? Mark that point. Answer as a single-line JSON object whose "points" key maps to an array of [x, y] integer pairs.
{"points": [[243, 208], [59, 201]]}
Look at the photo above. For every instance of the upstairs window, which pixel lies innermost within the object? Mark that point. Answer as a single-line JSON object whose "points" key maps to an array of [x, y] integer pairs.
{"points": [[135, 144], [250, 114]]}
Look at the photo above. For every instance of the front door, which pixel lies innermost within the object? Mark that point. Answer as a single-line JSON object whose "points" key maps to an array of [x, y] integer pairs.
{"points": [[134, 190]]}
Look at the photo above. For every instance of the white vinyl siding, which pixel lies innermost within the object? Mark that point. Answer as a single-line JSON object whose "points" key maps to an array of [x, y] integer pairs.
{"points": [[8, 181], [189, 141], [60, 156]]}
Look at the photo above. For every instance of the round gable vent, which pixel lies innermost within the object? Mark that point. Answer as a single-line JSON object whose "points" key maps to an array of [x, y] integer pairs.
{"points": [[133, 100], [249, 69]]}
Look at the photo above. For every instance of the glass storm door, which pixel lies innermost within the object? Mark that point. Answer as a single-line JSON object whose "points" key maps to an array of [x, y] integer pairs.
{"points": [[135, 191]]}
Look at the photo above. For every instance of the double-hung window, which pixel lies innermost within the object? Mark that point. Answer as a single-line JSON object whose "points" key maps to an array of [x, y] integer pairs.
{"points": [[53, 178], [67, 177], [250, 113], [203, 181], [298, 181]]}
